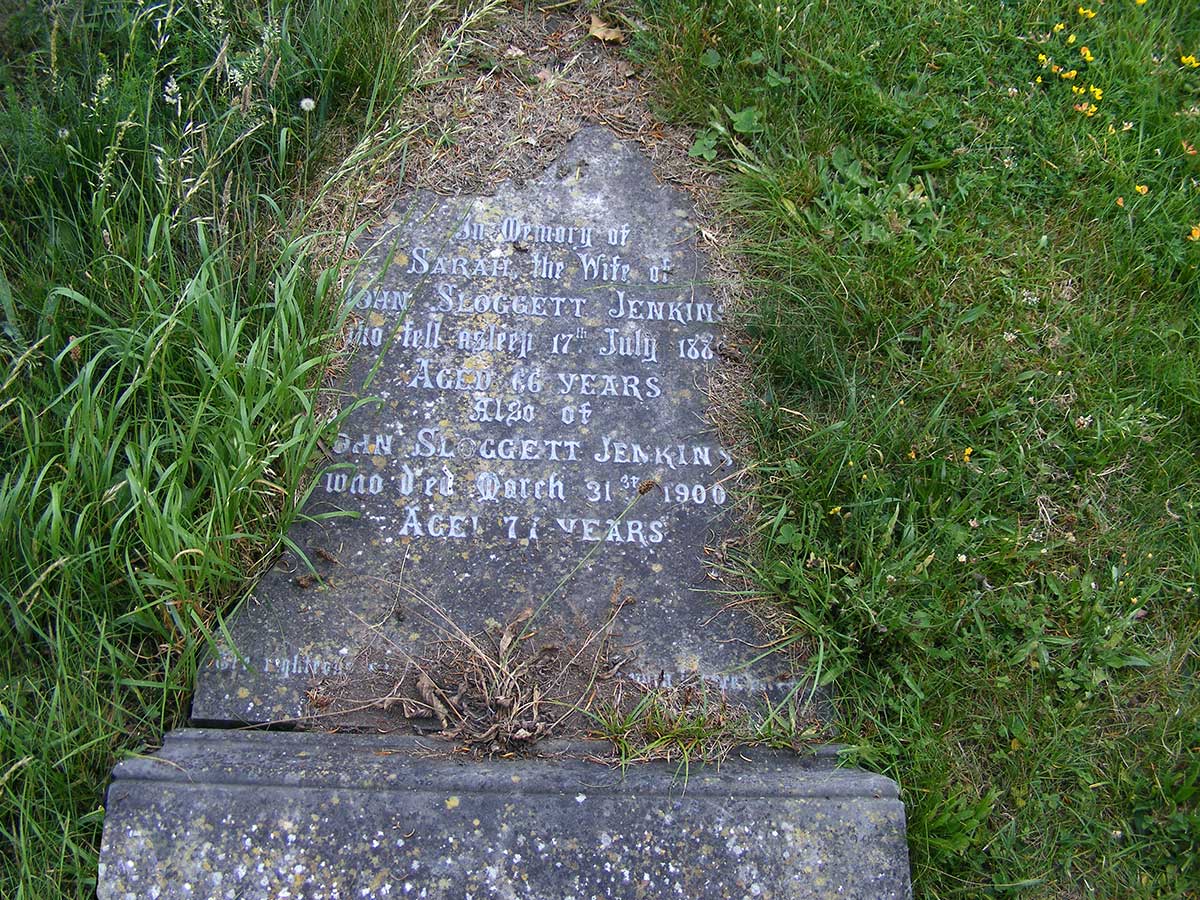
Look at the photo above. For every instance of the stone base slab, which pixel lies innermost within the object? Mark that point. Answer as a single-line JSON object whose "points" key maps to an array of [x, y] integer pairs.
{"points": [[244, 814]]}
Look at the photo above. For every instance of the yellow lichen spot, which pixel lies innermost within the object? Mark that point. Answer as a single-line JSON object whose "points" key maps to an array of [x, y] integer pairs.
{"points": [[243, 693], [414, 636], [452, 803]]}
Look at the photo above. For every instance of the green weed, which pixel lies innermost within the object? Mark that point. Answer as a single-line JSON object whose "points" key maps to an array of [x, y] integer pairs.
{"points": [[165, 326], [976, 336]]}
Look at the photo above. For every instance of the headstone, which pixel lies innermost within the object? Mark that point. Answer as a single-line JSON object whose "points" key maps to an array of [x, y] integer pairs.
{"points": [[539, 442], [526, 456]]}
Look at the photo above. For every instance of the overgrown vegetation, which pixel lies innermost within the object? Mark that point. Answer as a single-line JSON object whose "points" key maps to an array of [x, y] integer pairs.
{"points": [[972, 237], [973, 233], [165, 326]]}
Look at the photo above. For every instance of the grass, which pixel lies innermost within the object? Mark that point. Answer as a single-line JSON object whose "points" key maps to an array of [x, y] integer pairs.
{"points": [[977, 341], [975, 320], [167, 313]]}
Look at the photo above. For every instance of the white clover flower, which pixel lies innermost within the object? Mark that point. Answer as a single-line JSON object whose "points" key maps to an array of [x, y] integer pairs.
{"points": [[308, 104], [64, 133]]}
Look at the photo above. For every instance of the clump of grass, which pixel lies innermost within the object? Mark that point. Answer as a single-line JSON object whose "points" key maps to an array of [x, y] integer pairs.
{"points": [[690, 723], [164, 331], [977, 341]]}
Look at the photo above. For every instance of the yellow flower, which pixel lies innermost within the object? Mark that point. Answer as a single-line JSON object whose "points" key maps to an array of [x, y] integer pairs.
{"points": [[1069, 75], [1059, 27], [1086, 54], [1087, 13], [1038, 80], [1055, 69], [835, 510], [1096, 92], [967, 454], [1142, 189], [1190, 60], [1140, 2], [1078, 89], [1195, 235], [1042, 58], [1070, 39], [1121, 202]]}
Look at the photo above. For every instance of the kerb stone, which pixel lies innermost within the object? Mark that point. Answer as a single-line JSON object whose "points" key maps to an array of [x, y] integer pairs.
{"points": [[247, 815]]}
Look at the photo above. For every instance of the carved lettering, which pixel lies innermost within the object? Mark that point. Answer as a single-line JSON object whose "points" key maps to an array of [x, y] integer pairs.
{"points": [[662, 310], [451, 300]]}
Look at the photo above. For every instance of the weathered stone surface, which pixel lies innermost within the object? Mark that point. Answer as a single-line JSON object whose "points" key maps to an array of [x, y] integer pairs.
{"points": [[538, 356], [227, 814], [539, 443]]}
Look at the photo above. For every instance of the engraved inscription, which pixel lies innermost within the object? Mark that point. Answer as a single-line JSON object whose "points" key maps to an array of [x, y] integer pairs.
{"points": [[510, 331]]}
